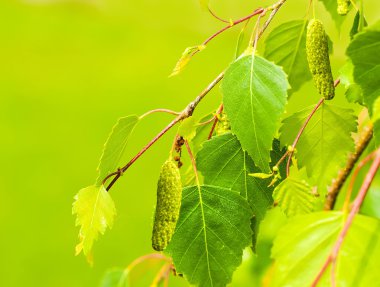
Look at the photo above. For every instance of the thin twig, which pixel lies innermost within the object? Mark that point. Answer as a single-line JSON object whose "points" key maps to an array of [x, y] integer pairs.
{"points": [[300, 133], [216, 119], [160, 111], [187, 112], [354, 210], [216, 16], [343, 174]]}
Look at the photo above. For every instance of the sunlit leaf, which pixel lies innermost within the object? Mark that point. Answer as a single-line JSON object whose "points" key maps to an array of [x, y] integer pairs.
{"points": [[332, 7], [115, 278], [185, 58], [211, 234], [95, 211], [294, 196], [254, 97], [115, 146], [302, 246], [364, 54], [326, 142]]}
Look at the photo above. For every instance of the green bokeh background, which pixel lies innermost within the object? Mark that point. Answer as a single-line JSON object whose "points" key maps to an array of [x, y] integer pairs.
{"points": [[68, 71]]}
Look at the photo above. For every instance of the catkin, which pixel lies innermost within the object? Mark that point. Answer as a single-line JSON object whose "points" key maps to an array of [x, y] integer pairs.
{"points": [[343, 6], [223, 125], [169, 193], [317, 51]]}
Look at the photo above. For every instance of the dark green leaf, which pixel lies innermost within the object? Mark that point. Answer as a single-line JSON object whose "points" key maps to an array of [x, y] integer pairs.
{"points": [[356, 25], [211, 234], [254, 96]]}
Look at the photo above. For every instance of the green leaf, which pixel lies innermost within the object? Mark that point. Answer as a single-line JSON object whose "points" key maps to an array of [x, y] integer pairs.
{"points": [[115, 146], [185, 59], [211, 234], [364, 54], [115, 278], [294, 196], [286, 46], [95, 212], [325, 143], [303, 245], [187, 129], [254, 97], [223, 163], [353, 91], [332, 7], [356, 28]]}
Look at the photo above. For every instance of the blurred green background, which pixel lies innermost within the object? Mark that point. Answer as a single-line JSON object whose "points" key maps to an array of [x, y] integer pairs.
{"points": [[68, 71]]}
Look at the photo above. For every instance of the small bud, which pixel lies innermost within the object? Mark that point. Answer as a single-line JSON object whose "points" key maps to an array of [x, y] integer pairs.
{"points": [[169, 193], [223, 126], [317, 51], [275, 168]]}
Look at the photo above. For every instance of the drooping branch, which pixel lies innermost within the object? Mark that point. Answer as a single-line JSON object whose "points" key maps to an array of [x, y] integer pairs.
{"points": [[354, 210], [187, 112], [343, 174]]}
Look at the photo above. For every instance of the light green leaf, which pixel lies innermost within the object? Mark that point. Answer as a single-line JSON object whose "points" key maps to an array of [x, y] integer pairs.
{"points": [[115, 278], [303, 245], [115, 146], [254, 97], [326, 142], [187, 129], [223, 163], [332, 7], [376, 110], [353, 91], [286, 46], [185, 59], [261, 175], [364, 54], [95, 212], [294, 197], [211, 234]]}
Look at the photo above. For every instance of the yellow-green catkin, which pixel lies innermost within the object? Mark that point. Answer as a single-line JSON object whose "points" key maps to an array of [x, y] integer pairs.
{"points": [[169, 193], [343, 6], [317, 52], [223, 126]]}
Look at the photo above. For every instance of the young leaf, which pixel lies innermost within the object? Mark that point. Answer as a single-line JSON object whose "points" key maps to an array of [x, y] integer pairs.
{"points": [[303, 245], [95, 212], [364, 54], [187, 129], [356, 25], [294, 196], [211, 234], [115, 146], [325, 143], [285, 46], [185, 59], [115, 278], [223, 162], [332, 7], [254, 97]]}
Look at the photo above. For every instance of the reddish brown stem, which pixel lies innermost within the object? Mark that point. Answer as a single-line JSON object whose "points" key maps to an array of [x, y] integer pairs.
{"points": [[216, 119], [216, 16], [160, 111], [300, 133], [354, 210], [234, 23], [187, 112]]}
